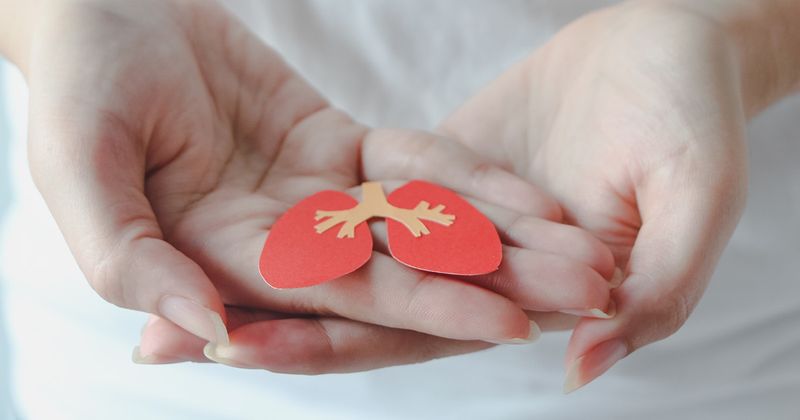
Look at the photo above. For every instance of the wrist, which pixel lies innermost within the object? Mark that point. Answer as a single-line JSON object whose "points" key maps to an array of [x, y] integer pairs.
{"points": [[765, 37]]}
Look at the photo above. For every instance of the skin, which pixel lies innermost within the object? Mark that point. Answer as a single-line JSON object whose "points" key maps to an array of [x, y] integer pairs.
{"points": [[166, 139], [634, 118]]}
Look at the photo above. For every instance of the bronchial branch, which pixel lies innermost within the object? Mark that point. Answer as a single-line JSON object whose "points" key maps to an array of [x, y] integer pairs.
{"points": [[374, 204]]}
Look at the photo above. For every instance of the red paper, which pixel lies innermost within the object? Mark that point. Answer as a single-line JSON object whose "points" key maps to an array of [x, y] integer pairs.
{"points": [[295, 255], [429, 227], [469, 246]]}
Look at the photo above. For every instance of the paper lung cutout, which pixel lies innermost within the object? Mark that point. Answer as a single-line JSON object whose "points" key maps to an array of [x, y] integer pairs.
{"points": [[468, 247], [326, 235], [295, 255]]}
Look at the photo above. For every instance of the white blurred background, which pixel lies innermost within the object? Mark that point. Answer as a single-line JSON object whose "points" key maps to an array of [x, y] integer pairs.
{"points": [[69, 357], [6, 408]]}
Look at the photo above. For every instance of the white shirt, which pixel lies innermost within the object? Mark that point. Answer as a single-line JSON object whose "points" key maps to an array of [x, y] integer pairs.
{"points": [[409, 64]]}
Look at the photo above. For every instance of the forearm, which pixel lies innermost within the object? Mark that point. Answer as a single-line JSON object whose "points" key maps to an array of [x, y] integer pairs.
{"points": [[766, 36], [17, 21]]}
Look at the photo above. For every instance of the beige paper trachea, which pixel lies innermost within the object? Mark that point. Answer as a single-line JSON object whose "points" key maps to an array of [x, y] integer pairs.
{"points": [[374, 204]]}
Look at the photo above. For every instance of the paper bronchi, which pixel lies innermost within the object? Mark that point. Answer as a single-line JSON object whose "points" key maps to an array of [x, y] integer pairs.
{"points": [[326, 235]]}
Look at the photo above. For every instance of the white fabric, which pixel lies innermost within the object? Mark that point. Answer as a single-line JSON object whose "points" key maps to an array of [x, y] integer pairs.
{"points": [[408, 64]]}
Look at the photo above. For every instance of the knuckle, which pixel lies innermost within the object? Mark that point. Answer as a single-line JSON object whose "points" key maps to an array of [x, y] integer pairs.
{"points": [[110, 275], [586, 288], [321, 359], [481, 174], [675, 313], [520, 227], [501, 280], [418, 152], [588, 249], [409, 153], [550, 210], [106, 279], [666, 314], [412, 151], [570, 268], [416, 302], [589, 289], [316, 356]]}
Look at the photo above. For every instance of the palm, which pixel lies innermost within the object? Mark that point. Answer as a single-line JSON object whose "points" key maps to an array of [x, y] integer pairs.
{"points": [[223, 159], [637, 131], [248, 157], [195, 137], [593, 121], [222, 222]]}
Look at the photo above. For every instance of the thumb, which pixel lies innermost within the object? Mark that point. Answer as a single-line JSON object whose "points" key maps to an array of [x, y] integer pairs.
{"points": [[91, 175], [688, 216]]}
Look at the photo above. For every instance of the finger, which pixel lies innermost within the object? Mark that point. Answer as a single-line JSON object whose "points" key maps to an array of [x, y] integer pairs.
{"points": [[557, 268], [305, 345], [253, 343], [330, 345], [538, 234], [387, 293], [523, 231], [382, 292], [541, 281], [554, 321], [546, 282], [164, 342], [405, 154], [672, 260], [91, 174]]}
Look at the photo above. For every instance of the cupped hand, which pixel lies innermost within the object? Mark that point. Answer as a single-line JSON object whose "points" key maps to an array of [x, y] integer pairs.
{"points": [[166, 140], [632, 119]]}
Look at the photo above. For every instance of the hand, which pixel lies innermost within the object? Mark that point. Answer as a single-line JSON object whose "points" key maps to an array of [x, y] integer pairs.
{"points": [[632, 117], [166, 140]]}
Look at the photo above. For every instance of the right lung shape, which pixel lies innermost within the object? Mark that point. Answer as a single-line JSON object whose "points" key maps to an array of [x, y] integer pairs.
{"points": [[295, 255]]}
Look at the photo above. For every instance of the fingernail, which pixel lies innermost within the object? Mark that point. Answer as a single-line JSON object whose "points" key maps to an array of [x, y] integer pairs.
{"points": [[594, 312], [616, 279], [152, 359], [224, 355], [533, 334], [594, 363], [194, 318]]}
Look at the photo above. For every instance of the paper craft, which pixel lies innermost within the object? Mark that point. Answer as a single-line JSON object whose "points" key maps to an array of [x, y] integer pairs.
{"points": [[326, 235], [467, 247], [296, 255]]}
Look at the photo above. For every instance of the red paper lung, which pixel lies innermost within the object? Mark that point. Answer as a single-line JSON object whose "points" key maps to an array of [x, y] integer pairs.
{"points": [[295, 255], [469, 246]]}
